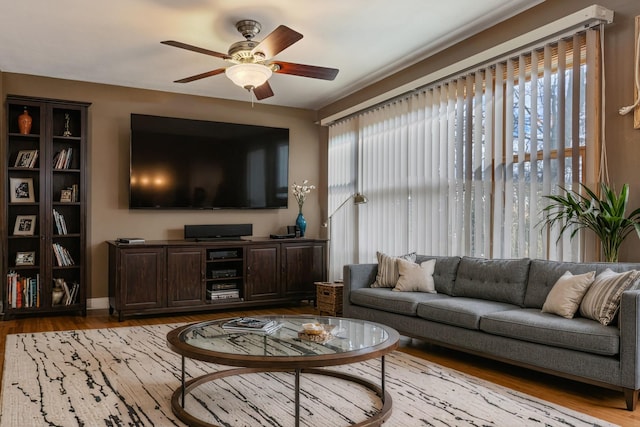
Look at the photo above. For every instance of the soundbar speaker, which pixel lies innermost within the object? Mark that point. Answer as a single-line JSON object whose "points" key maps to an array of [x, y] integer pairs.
{"points": [[217, 231]]}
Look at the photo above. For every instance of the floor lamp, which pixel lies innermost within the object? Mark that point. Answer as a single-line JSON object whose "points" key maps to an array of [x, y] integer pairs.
{"points": [[358, 199]]}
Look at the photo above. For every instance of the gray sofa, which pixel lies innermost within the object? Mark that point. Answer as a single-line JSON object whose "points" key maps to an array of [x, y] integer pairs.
{"points": [[493, 308]]}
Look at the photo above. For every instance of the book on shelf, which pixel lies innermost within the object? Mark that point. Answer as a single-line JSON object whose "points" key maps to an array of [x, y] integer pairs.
{"points": [[62, 159], [61, 224], [70, 291], [23, 292], [73, 293], [63, 257], [251, 324]]}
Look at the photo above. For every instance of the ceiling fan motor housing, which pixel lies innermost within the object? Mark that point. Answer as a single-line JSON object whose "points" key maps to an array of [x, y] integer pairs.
{"points": [[241, 52], [248, 28]]}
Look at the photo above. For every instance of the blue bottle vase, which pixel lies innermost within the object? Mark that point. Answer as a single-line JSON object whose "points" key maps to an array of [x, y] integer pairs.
{"points": [[301, 223]]}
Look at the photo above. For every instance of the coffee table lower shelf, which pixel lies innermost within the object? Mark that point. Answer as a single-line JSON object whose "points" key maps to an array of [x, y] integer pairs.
{"points": [[178, 397]]}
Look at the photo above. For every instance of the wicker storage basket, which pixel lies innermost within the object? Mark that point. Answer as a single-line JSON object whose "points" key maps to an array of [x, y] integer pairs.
{"points": [[329, 297]]}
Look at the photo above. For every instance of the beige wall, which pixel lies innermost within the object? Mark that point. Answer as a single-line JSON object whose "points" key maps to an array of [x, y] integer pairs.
{"points": [[622, 141], [109, 120], [111, 107]]}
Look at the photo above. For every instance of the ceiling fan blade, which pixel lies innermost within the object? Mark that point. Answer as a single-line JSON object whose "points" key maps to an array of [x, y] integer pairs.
{"points": [[201, 76], [195, 49], [306, 70], [263, 91], [277, 41]]}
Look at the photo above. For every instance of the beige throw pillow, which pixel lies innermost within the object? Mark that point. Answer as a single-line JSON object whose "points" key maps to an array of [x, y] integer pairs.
{"points": [[416, 277], [602, 300], [387, 275], [566, 295]]}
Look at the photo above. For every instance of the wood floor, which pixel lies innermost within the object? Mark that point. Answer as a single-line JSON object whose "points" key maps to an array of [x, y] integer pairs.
{"points": [[598, 402]]}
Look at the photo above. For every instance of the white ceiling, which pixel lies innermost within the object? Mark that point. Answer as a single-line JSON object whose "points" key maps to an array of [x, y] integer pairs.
{"points": [[118, 41]]}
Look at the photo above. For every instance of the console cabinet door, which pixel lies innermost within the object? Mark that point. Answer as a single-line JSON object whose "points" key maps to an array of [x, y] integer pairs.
{"points": [[262, 275], [185, 276], [302, 265], [141, 278]]}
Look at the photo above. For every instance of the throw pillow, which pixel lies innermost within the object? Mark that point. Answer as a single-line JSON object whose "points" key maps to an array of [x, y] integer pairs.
{"points": [[567, 293], [602, 300], [416, 277], [387, 276]]}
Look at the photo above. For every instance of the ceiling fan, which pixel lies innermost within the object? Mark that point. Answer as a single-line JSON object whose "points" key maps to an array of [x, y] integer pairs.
{"points": [[253, 63]]}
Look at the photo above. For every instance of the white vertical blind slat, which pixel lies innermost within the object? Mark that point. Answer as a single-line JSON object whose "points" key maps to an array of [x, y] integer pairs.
{"points": [[531, 207], [498, 168]]}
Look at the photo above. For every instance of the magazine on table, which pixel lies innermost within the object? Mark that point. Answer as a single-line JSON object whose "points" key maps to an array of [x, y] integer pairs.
{"points": [[251, 324]]}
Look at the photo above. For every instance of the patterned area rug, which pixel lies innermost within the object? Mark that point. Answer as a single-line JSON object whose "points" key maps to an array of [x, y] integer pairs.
{"points": [[125, 377]]}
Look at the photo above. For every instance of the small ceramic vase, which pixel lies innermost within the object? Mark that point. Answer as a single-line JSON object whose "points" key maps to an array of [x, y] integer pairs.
{"points": [[24, 122]]}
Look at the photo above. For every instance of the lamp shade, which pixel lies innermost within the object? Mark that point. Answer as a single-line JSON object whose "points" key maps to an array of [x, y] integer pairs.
{"points": [[248, 76], [359, 199]]}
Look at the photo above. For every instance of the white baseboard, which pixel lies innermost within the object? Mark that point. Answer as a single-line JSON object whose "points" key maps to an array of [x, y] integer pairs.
{"points": [[97, 303]]}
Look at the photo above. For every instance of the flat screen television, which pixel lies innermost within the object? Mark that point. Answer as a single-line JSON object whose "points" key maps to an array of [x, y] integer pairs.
{"points": [[196, 164]]}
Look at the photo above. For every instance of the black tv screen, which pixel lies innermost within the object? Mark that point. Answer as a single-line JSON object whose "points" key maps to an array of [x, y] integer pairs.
{"points": [[196, 164]]}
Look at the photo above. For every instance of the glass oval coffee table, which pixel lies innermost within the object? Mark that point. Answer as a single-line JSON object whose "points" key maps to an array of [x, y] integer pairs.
{"points": [[285, 348]]}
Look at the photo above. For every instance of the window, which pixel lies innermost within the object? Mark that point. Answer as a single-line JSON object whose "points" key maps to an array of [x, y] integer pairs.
{"points": [[461, 167]]}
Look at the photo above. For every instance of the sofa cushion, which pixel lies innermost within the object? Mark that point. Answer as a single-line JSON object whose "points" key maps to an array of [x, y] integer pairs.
{"points": [[387, 275], [395, 302], [602, 300], [530, 324], [565, 296], [502, 280], [460, 311], [444, 274], [415, 277]]}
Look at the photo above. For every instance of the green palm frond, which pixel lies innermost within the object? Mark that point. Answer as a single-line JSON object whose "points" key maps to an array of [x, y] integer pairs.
{"points": [[604, 215]]}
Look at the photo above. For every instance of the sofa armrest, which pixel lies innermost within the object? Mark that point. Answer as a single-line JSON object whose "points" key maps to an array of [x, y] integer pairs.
{"points": [[629, 322], [357, 276]]}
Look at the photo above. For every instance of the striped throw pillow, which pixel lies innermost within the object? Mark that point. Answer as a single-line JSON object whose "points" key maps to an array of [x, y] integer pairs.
{"points": [[388, 275], [602, 300]]}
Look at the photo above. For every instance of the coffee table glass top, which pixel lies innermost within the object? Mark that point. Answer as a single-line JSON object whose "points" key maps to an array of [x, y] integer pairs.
{"points": [[341, 336]]}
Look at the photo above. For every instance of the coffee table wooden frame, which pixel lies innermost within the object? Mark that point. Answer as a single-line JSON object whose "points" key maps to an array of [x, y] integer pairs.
{"points": [[248, 364]]}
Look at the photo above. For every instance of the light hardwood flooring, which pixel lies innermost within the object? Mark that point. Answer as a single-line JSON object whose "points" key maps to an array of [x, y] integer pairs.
{"points": [[596, 401]]}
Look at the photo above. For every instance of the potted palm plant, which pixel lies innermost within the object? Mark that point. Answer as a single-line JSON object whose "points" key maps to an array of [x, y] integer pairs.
{"points": [[604, 215]]}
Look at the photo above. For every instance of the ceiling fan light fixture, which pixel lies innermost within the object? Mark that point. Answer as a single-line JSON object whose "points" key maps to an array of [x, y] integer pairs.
{"points": [[248, 76]]}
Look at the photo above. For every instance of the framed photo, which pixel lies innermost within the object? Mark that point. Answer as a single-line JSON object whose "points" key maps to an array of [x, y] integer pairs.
{"points": [[25, 225], [22, 190], [26, 158], [25, 258], [66, 195]]}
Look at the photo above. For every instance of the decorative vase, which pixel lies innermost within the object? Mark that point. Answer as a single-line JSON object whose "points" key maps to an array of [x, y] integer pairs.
{"points": [[24, 122], [301, 223]]}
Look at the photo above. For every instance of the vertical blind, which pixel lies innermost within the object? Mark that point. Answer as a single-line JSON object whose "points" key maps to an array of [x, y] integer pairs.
{"points": [[461, 167]]}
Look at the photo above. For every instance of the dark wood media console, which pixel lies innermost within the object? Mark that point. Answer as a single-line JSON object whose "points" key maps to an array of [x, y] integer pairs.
{"points": [[170, 276]]}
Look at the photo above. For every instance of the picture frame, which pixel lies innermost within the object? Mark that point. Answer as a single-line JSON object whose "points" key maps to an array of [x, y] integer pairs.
{"points": [[26, 158], [25, 225], [66, 196], [21, 190], [25, 258]]}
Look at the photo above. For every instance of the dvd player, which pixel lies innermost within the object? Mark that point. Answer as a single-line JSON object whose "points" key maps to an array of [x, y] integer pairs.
{"points": [[283, 236]]}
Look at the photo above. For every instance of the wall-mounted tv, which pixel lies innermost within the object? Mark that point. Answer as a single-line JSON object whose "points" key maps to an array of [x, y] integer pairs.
{"points": [[196, 164]]}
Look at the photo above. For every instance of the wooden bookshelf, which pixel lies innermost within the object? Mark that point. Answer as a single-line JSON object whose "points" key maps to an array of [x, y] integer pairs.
{"points": [[44, 168]]}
